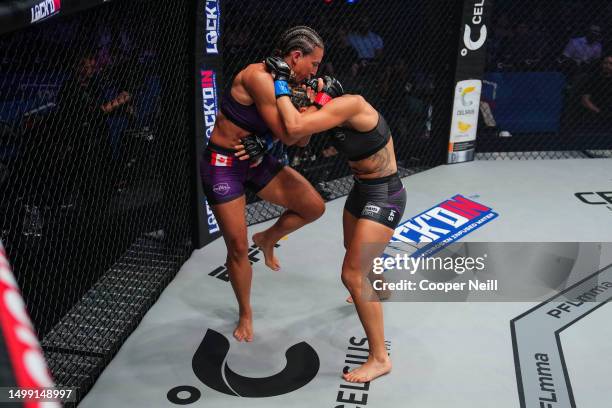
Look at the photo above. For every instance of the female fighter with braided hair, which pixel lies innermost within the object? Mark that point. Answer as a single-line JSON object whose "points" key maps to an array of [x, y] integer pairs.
{"points": [[374, 206], [249, 108]]}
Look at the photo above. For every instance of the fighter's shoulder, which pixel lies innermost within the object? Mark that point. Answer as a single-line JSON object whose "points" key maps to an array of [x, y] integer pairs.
{"points": [[256, 73], [356, 101]]}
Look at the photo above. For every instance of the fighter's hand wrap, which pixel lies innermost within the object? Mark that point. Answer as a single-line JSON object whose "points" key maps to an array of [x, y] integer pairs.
{"points": [[255, 146], [282, 73], [332, 88]]}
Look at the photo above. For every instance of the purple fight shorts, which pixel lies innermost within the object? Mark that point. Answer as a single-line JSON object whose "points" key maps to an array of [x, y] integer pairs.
{"points": [[224, 177]]}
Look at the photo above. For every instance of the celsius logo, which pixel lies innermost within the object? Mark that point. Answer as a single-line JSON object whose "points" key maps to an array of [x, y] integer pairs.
{"points": [[45, 9], [213, 18], [210, 366], [464, 93], [477, 20]]}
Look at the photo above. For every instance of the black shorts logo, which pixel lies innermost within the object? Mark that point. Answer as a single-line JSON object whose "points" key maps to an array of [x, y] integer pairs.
{"points": [[210, 367]]}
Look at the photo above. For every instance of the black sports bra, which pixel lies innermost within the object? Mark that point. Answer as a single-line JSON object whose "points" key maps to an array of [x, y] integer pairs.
{"points": [[360, 145]]}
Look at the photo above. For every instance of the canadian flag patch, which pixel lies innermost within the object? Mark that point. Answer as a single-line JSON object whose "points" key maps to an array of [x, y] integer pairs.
{"points": [[217, 159]]}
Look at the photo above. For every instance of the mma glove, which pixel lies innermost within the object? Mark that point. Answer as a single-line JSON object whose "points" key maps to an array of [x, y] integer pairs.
{"points": [[282, 73], [332, 88], [256, 147]]}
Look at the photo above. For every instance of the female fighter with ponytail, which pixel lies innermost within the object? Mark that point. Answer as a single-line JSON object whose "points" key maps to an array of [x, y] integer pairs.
{"points": [[374, 206]]}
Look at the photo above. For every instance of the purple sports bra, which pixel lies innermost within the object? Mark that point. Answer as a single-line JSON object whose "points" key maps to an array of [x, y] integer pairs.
{"points": [[244, 116]]}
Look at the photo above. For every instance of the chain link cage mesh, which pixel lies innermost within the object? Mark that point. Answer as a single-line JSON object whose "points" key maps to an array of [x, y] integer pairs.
{"points": [[95, 137], [407, 79], [95, 173], [547, 92]]}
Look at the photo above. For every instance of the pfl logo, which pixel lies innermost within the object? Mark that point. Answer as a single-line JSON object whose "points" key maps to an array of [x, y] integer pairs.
{"points": [[209, 364], [477, 20]]}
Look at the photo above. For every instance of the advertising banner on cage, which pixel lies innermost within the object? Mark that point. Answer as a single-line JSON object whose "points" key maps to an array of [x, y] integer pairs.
{"points": [[18, 14], [208, 67], [27, 367], [471, 60], [464, 122]]}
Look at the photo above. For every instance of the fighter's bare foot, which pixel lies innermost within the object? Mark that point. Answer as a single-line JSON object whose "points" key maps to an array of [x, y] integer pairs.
{"points": [[369, 371], [244, 330], [267, 248]]}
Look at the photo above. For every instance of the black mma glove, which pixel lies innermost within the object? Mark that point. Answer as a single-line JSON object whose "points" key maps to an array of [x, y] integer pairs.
{"points": [[312, 83], [332, 88], [255, 146], [282, 74]]}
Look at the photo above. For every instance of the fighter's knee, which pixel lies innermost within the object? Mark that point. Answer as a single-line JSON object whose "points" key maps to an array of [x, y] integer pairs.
{"points": [[318, 209], [350, 279], [314, 210], [237, 248]]}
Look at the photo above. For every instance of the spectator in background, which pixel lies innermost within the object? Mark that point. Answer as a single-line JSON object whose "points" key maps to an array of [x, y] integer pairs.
{"points": [[367, 44], [594, 119], [83, 109], [83, 128], [584, 50], [122, 78], [342, 58], [597, 95], [522, 50], [80, 98]]}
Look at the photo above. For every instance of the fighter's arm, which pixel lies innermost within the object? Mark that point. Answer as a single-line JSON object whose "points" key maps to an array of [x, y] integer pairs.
{"points": [[244, 152], [261, 88], [332, 114], [303, 142], [587, 102]]}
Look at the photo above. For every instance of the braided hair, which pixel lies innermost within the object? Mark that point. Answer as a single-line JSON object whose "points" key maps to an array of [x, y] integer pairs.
{"points": [[300, 38]]}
